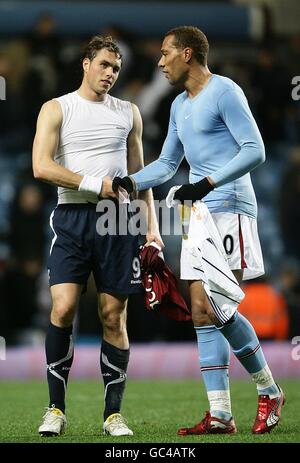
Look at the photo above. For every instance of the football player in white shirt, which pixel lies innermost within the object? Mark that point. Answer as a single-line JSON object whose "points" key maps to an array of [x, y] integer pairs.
{"points": [[82, 139]]}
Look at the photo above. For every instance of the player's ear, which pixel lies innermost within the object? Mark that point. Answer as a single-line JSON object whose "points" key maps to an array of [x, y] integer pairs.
{"points": [[86, 64], [188, 52]]}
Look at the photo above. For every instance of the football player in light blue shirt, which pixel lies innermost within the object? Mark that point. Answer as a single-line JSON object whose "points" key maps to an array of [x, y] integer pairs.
{"points": [[216, 132], [212, 126]]}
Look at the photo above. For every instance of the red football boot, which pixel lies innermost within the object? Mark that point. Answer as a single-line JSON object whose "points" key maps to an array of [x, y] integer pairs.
{"points": [[210, 425], [268, 413]]}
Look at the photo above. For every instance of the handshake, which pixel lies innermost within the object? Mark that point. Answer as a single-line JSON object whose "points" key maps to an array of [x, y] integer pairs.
{"points": [[126, 183], [189, 192]]}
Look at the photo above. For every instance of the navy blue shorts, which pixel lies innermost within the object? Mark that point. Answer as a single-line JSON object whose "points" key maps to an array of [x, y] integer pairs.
{"points": [[77, 250]]}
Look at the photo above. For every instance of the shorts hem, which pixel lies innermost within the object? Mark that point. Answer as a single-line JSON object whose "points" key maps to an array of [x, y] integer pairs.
{"points": [[114, 292], [53, 283], [249, 274]]}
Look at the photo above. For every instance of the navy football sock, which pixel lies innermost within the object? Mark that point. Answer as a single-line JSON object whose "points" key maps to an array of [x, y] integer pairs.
{"points": [[59, 354], [114, 363]]}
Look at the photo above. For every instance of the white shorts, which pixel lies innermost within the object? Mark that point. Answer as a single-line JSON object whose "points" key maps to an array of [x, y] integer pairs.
{"points": [[241, 242]]}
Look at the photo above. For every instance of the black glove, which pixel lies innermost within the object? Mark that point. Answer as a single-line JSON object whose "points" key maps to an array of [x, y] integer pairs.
{"points": [[194, 191], [124, 182]]}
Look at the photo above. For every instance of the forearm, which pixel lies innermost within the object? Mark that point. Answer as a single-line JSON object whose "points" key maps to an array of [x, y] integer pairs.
{"points": [[248, 158], [57, 175], [148, 210], [154, 174], [165, 167]]}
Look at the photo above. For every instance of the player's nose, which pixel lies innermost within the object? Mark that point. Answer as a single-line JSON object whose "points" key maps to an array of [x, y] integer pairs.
{"points": [[109, 76]]}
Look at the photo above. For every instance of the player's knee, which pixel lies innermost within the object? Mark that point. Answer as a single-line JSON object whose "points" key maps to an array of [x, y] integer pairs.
{"points": [[198, 306], [202, 314], [62, 314], [214, 320], [201, 320], [113, 321], [199, 315]]}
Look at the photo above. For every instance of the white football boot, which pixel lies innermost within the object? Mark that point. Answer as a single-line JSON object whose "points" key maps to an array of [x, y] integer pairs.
{"points": [[54, 423], [116, 425]]}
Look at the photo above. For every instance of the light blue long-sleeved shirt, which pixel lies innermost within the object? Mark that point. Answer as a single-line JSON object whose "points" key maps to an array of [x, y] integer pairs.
{"points": [[218, 135]]}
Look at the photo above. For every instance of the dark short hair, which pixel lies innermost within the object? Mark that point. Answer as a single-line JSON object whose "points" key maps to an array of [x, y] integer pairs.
{"points": [[98, 42], [191, 37]]}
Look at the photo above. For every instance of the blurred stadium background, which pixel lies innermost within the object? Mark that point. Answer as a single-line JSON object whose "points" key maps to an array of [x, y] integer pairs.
{"points": [[257, 44]]}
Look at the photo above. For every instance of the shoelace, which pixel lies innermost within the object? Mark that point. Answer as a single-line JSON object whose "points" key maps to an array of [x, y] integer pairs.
{"points": [[117, 422], [50, 418]]}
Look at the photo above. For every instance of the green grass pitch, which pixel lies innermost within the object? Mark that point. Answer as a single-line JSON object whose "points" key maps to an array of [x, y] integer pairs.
{"points": [[154, 410]]}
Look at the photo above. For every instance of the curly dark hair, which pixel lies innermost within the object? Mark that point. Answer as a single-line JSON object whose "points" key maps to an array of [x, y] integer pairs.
{"points": [[98, 42]]}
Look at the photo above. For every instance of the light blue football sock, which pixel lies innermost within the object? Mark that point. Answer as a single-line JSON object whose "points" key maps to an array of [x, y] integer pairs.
{"points": [[245, 345], [214, 356]]}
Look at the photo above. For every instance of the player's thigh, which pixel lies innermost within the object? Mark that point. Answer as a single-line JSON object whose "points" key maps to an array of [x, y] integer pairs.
{"points": [[69, 260], [116, 265], [202, 313], [65, 299]]}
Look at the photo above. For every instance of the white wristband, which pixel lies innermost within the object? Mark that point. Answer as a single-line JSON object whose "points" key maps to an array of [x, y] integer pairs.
{"points": [[91, 184]]}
